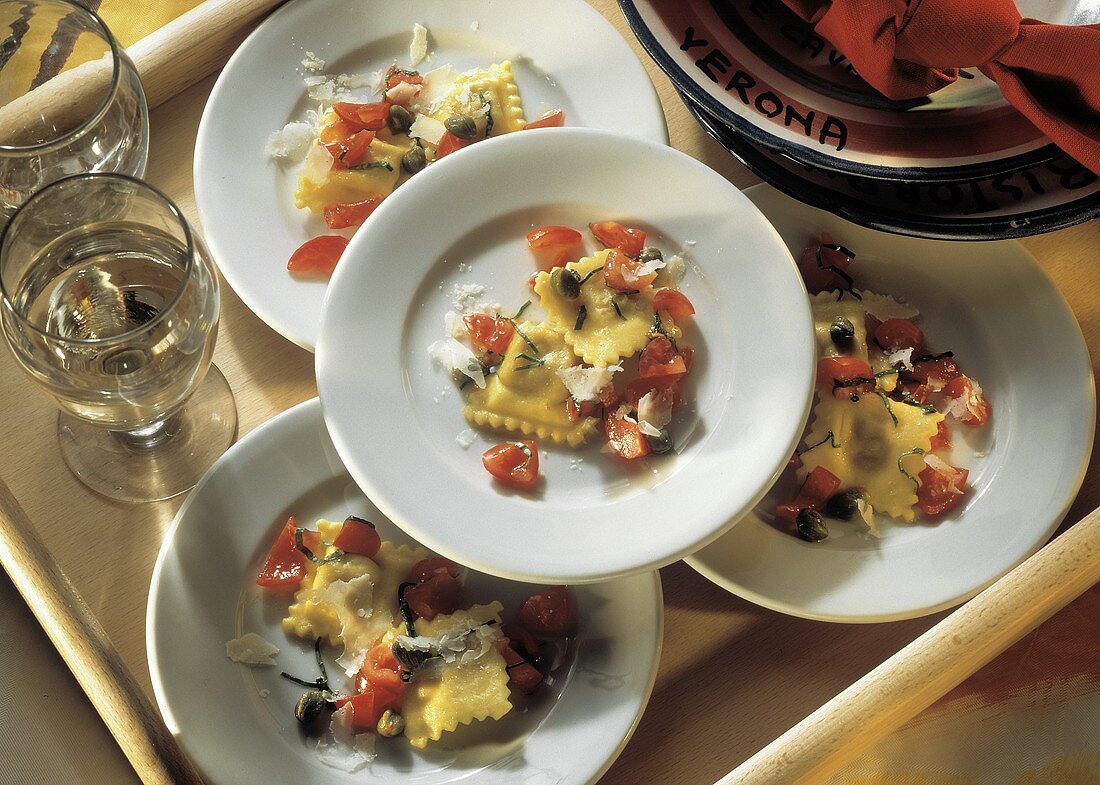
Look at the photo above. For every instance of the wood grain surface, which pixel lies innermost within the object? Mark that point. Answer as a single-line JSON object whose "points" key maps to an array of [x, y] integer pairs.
{"points": [[733, 676]]}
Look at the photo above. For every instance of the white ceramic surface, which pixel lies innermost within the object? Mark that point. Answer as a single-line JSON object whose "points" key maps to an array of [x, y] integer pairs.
{"points": [[246, 200], [1009, 327], [394, 415], [203, 595]]}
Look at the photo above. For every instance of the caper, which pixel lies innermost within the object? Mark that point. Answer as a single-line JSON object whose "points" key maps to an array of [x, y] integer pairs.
{"points": [[811, 526], [414, 159], [650, 254], [842, 331], [566, 282], [461, 125], [391, 724], [659, 444], [400, 118], [844, 505], [311, 705]]}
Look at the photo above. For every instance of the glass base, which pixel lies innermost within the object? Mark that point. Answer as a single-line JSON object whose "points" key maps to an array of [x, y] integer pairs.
{"points": [[163, 461]]}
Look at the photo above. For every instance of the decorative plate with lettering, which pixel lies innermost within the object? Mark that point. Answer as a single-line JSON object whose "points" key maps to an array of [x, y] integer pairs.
{"points": [[1045, 196], [762, 71]]}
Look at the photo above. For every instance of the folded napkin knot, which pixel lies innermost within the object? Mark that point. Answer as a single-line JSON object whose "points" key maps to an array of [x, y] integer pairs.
{"points": [[949, 34]]}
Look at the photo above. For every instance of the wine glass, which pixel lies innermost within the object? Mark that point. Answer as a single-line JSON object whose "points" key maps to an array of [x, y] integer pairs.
{"points": [[110, 304], [70, 99]]}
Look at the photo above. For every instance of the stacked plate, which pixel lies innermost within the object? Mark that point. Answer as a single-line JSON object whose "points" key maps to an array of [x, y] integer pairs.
{"points": [[960, 164]]}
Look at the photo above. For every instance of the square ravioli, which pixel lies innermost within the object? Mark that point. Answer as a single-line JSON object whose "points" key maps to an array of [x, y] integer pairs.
{"points": [[489, 92]]}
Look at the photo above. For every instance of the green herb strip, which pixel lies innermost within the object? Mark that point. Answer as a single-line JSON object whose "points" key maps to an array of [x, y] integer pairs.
{"points": [[321, 682], [829, 437], [909, 400], [301, 546], [890, 411], [931, 358], [660, 330], [618, 310], [488, 114], [523, 335], [406, 611], [855, 381], [589, 275], [903, 456], [519, 313], [373, 165], [532, 362], [582, 314]]}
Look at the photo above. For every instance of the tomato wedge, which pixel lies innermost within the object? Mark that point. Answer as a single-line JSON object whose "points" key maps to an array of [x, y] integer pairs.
{"points": [[520, 639], [942, 439], [395, 76], [978, 410], [522, 675], [341, 216], [550, 614], [449, 143], [515, 464], [317, 258], [554, 119], [895, 334], [337, 131], [351, 151], [824, 265], [285, 565], [845, 375], [673, 302], [613, 234], [440, 593], [553, 246], [659, 358], [941, 489], [378, 687], [359, 537], [624, 436], [816, 489], [638, 388], [489, 334], [933, 371], [622, 273], [373, 117]]}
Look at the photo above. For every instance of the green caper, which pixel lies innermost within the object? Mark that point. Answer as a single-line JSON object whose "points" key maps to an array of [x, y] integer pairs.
{"points": [[659, 444], [811, 526], [844, 505], [390, 724], [414, 159], [400, 118], [565, 282], [842, 331], [461, 125], [311, 705], [650, 254]]}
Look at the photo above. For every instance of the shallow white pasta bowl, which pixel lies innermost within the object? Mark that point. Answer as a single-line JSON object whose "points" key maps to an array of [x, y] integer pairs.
{"points": [[565, 55], [394, 415], [1010, 329], [237, 723]]}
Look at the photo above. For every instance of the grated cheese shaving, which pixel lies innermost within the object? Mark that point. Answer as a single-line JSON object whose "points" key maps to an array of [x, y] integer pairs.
{"points": [[461, 643], [655, 411], [340, 747], [251, 650], [466, 438], [418, 48], [453, 356], [585, 384], [903, 356], [290, 143], [427, 129], [312, 62]]}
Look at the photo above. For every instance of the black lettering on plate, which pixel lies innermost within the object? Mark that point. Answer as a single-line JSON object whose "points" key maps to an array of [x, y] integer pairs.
{"points": [[982, 203], [1033, 181], [792, 32], [1001, 185], [768, 104], [691, 41], [806, 120], [1071, 175], [814, 44], [946, 195], [834, 129], [740, 81], [716, 59]]}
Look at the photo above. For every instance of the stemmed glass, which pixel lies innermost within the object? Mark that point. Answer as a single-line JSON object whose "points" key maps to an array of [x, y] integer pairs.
{"points": [[70, 100], [110, 304]]}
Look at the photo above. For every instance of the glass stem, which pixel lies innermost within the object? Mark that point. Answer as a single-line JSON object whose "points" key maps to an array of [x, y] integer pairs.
{"points": [[149, 436]]}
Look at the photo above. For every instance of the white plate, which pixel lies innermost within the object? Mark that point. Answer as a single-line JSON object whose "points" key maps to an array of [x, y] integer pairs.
{"points": [[203, 595], [566, 56], [394, 416], [1009, 327]]}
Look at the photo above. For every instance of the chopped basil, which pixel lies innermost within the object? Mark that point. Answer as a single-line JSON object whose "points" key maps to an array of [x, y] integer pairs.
{"points": [[903, 456], [886, 403], [374, 165], [829, 437], [582, 314]]}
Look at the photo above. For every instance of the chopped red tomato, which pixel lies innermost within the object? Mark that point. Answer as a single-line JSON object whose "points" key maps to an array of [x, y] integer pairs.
{"points": [[977, 407], [845, 375], [824, 266], [337, 131], [659, 358], [940, 489], [520, 639], [522, 675], [935, 372], [613, 234], [449, 143], [895, 334], [395, 76], [942, 439], [373, 117], [440, 593], [622, 272], [515, 464], [489, 334], [352, 151], [624, 436], [916, 392], [816, 489], [378, 687], [550, 614], [638, 388], [553, 246], [317, 258], [359, 537], [285, 565], [673, 302], [426, 568], [555, 119], [341, 216]]}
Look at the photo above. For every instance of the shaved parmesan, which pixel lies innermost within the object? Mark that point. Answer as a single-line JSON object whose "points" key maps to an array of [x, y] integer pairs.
{"points": [[883, 307], [454, 325], [340, 747], [403, 93], [956, 407], [648, 429], [462, 643], [438, 84], [903, 356], [466, 438], [312, 62], [654, 410], [427, 129], [291, 142], [453, 356], [652, 266], [352, 601], [867, 513], [418, 48], [585, 384], [252, 650]]}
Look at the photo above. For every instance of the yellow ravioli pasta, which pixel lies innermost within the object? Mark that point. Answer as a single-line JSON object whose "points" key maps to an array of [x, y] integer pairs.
{"points": [[494, 85], [462, 692], [320, 185], [869, 448], [826, 309], [530, 400], [607, 335]]}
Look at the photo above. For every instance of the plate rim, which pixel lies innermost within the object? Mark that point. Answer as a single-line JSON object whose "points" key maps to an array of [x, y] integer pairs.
{"points": [[287, 418], [1073, 488]]}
